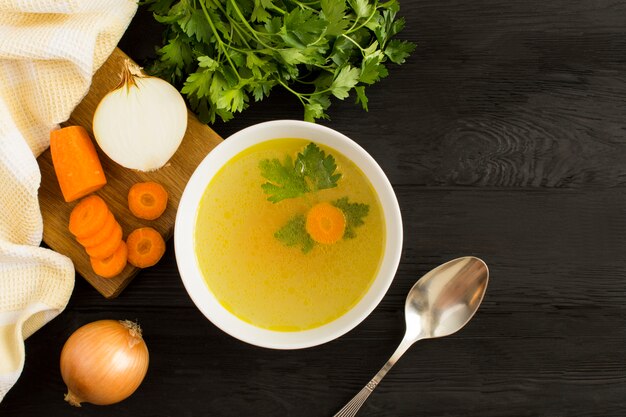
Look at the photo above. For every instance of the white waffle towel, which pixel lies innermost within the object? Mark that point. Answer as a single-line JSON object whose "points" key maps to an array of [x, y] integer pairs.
{"points": [[49, 50]]}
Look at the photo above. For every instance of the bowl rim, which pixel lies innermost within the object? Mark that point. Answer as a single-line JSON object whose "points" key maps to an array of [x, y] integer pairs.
{"points": [[186, 214]]}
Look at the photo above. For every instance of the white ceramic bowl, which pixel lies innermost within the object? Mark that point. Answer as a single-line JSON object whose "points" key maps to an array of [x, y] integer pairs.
{"points": [[186, 219]]}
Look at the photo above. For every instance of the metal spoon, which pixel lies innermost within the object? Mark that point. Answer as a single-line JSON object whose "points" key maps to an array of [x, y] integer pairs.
{"points": [[439, 304]]}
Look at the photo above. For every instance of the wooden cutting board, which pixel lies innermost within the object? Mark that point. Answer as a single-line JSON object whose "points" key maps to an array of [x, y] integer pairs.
{"points": [[197, 143]]}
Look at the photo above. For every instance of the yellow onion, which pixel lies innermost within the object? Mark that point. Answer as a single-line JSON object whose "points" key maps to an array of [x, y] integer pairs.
{"points": [[103, 362]]}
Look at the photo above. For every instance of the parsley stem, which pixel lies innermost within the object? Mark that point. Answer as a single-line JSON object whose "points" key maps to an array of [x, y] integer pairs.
{"points": [[243, 39], [388, 4], [233, 23], [302, 96], [278, 9], [299, 95], [353, 41], [303, 5], [219, 39], [354, 29], [253, 31], [241, 35]]}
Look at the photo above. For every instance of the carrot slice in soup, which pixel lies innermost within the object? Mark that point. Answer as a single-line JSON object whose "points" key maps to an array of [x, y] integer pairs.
{"points": [[108, 247], [76, 163], [147, 200], [325, 223], [100, 236], [113, 265], [145, 247], [88, 217]]}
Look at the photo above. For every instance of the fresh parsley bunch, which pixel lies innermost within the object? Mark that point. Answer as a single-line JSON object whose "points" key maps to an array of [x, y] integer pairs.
{"points": [[224, 53]]}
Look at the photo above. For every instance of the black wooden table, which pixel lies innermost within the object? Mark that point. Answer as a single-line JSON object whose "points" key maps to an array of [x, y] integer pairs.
{"points": [[504, 136]]}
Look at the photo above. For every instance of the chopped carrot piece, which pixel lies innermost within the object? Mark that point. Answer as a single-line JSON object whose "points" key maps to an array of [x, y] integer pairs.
{"points": [[76, 162], [88, 216], [145, 247], [113, 265], [147, 200], [325, 223], [108, 247], [100, 236]]}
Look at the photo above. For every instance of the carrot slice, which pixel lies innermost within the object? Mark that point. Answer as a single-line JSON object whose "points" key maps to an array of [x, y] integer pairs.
{"points": [[108, 247], [76, 162], [113, 265], [145, 247], [325, 223], [88, 216], [100, 236], [147, 200]]}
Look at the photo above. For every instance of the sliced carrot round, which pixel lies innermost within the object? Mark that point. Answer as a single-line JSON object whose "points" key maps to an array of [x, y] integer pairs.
{"points": [[113, 265], [147, 200], [110, 244], [325, 223], [145, 247], [100, 236], [88, 216]]}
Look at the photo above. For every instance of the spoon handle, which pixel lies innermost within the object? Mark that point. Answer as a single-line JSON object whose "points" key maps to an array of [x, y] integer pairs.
{"points": [[353, 406]]}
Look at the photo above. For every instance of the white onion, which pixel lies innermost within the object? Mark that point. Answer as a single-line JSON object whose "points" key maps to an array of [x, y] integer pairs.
{"points": [[141, 123]]}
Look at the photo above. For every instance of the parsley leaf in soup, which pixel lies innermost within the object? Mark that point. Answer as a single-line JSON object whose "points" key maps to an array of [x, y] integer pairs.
{"points": [[284, 180], [313, 170], [294, 233], [317, 167], [354, 212]]}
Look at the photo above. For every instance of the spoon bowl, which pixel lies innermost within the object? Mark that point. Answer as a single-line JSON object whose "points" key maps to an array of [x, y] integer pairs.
{"points": [[446, 298], [441, 303]]}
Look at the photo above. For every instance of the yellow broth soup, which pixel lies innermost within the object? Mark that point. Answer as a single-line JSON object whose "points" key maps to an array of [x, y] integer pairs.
{"points": [[268, 256]]}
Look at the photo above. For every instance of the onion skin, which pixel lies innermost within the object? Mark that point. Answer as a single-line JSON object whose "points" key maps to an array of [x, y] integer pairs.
{"points": [[104, 362]]}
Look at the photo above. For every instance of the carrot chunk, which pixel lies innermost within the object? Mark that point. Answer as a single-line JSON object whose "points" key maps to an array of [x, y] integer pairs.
{"points": [[147, 200], [108, 247], [113, 265], [145, 247], [325, 223], [100, 236], [76, 163], [88, 216]]}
